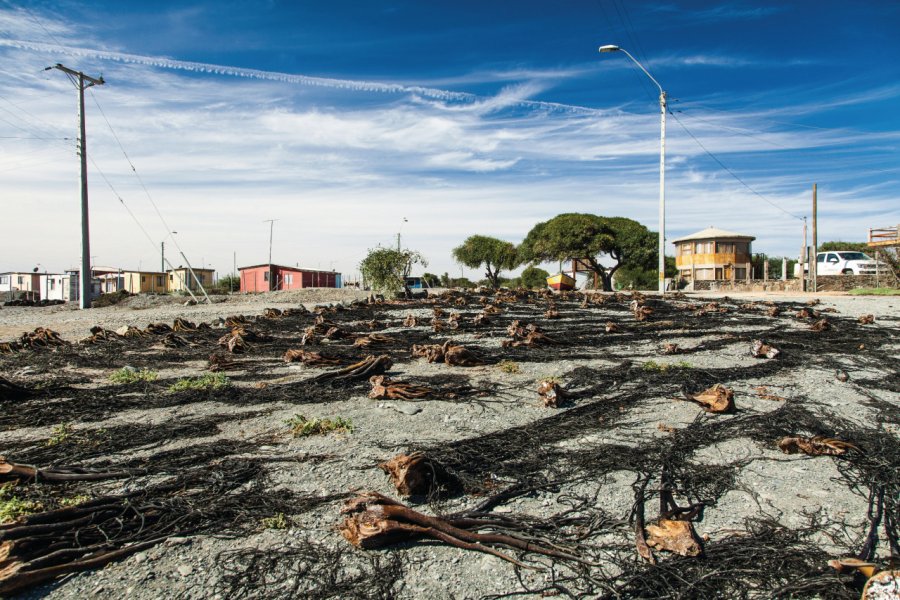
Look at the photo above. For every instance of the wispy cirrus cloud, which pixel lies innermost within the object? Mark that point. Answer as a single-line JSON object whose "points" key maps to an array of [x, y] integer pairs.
{"points": [[734, 11], [222, 146]]}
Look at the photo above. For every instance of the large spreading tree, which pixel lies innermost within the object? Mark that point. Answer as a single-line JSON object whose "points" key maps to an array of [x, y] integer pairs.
{"points": [[588, 238], [386, 269], [496, 256]]}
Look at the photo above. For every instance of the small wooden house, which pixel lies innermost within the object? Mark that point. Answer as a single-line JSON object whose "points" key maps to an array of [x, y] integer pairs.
{"points": [[714, 255], [181, 279], [265, 278], [143, 282]]}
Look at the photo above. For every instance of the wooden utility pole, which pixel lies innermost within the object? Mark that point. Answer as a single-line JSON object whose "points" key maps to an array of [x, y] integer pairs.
{"points": [[804, 259], [82, 82], [815, 245]]}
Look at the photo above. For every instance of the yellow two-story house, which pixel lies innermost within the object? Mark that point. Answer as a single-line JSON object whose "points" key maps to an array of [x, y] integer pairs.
{"points": [[714, 255]]}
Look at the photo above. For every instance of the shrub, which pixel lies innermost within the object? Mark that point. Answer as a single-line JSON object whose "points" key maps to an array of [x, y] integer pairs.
{"points": [[534, 278]]}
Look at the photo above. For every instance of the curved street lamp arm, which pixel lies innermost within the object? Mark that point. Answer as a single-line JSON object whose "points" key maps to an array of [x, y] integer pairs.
{"points": [[646, 72]]}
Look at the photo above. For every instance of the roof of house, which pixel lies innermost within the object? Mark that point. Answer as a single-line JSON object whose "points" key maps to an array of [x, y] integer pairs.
{"points": [[713, 233], [285, 268], [124, 271], [188, 269]]}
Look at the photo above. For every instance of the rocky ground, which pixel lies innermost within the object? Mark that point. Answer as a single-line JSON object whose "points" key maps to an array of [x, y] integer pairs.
{"points": [[222, 500]]}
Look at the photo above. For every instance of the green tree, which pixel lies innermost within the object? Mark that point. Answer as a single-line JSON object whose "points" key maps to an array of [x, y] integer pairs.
{"points": [[431, 279], [534, 277], [588, 237], [496, 256], [461, 282], [849, 246], [641, 278], [386, 269], [229, 283]]}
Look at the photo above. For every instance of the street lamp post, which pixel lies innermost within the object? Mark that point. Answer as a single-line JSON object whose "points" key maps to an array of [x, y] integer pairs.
{"points": [[662, 164], [400, 231]]}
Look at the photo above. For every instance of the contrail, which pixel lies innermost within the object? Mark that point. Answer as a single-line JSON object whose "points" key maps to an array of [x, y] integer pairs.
{"points": [[344, 84]]}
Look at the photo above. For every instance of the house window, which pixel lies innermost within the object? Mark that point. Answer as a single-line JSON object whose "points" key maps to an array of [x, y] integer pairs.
{"points": [[143, 278], [159, 280], [52, 283], [686, 249], [266, 276], [726, 247], [289, 279], [740, 273], [4, 280], [21, 280]]}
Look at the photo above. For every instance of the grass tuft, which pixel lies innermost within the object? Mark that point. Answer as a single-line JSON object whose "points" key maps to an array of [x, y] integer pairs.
{"points": [[210, 381], [60, 434], [508, 366], [652, 365], [126, 375], [277, 521], [301, 426]]}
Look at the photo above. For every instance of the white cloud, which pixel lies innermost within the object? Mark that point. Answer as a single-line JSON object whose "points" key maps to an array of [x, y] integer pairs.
{"points": [[341, 162]]}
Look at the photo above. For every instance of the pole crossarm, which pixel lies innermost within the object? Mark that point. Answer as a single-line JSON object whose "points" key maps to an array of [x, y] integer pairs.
{"points": [[86, 80]]}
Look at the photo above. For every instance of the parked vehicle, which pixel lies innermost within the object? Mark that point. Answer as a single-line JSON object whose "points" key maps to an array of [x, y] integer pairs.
{"points": [[845, 263]]}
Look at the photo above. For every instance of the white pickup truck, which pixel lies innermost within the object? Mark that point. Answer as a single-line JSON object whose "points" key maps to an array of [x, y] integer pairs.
{"points": [[845, 263]]}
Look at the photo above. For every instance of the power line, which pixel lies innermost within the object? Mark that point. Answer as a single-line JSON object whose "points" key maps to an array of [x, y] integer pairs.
{"points": [[729, 171], [135, 173]]}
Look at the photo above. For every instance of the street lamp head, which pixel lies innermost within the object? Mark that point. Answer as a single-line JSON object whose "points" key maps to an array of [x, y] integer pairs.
{"points": [[609, 48]]}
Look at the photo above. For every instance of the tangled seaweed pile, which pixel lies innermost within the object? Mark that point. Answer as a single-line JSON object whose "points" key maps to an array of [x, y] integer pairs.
{"points": [[592, 439]]}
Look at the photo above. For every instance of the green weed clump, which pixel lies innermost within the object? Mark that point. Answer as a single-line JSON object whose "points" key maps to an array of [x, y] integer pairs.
{"points": [[652, 365], [302, 427], [277, 521], [60, 434], [210, 381], [12, 507], [508, 366], [126, 375], [74, 500]]}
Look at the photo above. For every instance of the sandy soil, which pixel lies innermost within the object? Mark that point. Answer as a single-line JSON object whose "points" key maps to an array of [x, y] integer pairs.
{"points": [[583, 461]]}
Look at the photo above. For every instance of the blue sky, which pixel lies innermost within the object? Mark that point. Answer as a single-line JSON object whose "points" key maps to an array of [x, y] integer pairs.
{"points": [[341, 119]]}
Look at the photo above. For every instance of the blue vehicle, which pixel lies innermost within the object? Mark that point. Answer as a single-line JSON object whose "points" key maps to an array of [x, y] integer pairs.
{"points": [[417, 283]]}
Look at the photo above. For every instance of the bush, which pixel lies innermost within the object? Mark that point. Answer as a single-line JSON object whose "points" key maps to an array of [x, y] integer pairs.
{"points": [[534, 278]]}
